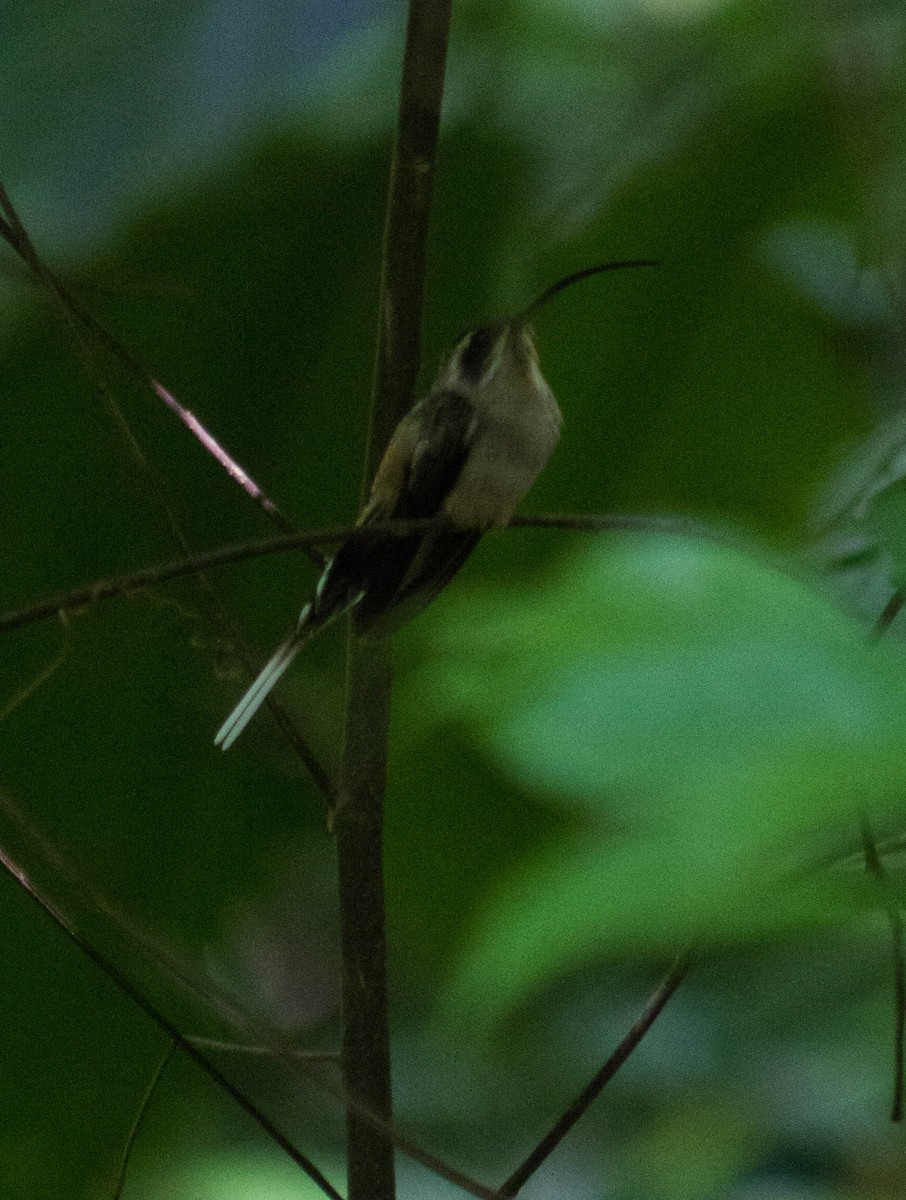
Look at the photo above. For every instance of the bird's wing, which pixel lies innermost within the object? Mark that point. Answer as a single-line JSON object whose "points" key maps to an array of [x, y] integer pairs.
{"points": [[411, 570], [446, 431], [386, 579], [420, 467], [432, 559], [423, 460]]}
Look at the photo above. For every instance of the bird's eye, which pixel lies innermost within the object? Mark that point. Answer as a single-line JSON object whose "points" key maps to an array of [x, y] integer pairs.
{"points": [[476, 351]]}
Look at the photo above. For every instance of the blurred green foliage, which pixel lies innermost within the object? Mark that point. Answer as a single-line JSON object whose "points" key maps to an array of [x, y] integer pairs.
{"points": [[605, 746]]}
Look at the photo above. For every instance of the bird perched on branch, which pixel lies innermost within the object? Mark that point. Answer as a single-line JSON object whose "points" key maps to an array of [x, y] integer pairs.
{"points": [[466, 454]]}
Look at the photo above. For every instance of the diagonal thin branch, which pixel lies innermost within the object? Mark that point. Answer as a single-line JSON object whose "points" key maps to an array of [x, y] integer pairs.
{"points": [[201, 434], [596, 1085], [14, 232], [28, 690]]}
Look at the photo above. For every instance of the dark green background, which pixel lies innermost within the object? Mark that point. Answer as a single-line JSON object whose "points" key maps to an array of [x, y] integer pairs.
{"points": [[605, 746]]}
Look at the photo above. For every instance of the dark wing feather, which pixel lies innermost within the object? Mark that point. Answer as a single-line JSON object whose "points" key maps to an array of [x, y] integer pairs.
{"points": [[410, 577], [447, 427], [397, 576]]}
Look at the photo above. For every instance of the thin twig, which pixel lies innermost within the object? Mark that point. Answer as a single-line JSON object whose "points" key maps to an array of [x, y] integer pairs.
{"points": [[140, 1119], [90, 594], [579, 1106], [875, 866], [28, 690], [150, 1010], [202, 435], [221, 456]]}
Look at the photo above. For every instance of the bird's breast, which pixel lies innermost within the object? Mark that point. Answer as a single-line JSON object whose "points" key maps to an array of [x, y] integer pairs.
{"points": [[510, 449]]}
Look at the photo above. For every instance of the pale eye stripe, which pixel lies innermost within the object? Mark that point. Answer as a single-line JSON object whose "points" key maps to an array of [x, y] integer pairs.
{"points": [[538, 379], [495, 360]]}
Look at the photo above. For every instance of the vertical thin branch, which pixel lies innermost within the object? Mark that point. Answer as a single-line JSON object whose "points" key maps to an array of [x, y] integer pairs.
{"points": [[360, 815], [406, 230]]}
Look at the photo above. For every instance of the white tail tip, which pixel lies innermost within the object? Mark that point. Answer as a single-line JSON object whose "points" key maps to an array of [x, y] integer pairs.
{"points": [[258, 692]]}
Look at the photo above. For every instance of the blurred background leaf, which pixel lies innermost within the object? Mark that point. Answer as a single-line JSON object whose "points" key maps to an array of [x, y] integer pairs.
{"points": [[715, 724], [607, 736]]}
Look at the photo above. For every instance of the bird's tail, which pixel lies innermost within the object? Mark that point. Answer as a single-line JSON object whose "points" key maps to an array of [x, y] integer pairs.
{"points": [[277, 664]]}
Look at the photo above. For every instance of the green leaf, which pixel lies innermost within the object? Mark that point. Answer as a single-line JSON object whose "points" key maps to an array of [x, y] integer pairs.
{"points": [[240, 1179], [716, 724]]}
